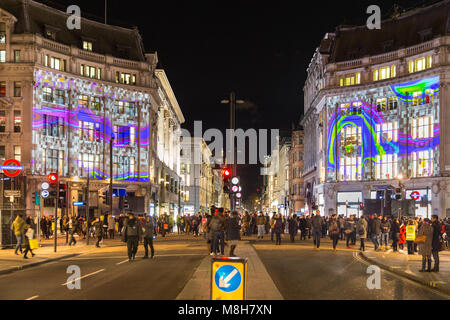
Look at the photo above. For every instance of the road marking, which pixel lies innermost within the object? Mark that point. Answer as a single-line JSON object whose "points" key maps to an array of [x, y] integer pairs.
{"points": [[122, 262], [90, 274], [31, 298]]}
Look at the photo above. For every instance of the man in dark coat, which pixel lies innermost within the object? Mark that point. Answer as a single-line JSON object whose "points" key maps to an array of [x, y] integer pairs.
{"points": [[148, 236], [132, 235], [436, 243], [233, 231], [98, 231], [293, 227]]}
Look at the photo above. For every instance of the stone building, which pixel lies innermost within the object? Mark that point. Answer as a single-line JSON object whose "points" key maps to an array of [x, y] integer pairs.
{"points": [[373, 116]]}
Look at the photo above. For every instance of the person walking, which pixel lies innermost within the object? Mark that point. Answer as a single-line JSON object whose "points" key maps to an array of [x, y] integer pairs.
{"points": [[436, 242], [216, 226], [233, 231], [293, 227], [375, 231], [18, 227], [131, 234], [278, 228], [148, 229], [316, 223], [395, 233], [111, 226], [402, 235], [29, 235], [425, 246], [362, 228], [349, 229], [260, 222], [98, 231], [272, 226], [385, 230], [73, 229], [333, 231], [410, 236]]}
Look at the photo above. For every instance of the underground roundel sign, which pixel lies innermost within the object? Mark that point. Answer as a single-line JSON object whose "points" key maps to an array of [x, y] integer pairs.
{"points": [[415, 195], [228, 278], [11, 168]]}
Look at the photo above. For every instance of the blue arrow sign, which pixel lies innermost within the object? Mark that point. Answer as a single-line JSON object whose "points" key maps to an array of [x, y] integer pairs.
{"points": [[44, 193], [228, 278]]}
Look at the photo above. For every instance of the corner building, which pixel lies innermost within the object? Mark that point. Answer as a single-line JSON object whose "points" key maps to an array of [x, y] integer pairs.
{"points": [[70, 100], [375, 118]]}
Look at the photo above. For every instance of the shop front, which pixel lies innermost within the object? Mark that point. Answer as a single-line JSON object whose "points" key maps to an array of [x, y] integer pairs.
{"points": [[348, 203]]}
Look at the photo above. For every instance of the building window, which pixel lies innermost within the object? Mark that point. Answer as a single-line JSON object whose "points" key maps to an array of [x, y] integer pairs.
{"points": [[87, 163], [55, 63], [187, 195], [120, 107], [87, 45], [17, 153], [60, 97], [422, 163], [381, 105], [384, 73], [83, 100], [132, 136], [130, 109], [393, 103], [53, 126], [386, 166], [420, 64], [2, 88], [125, 78], [88, 130], [422, 127], [96, 103], [2, 56], [54, 159], [2, 32], [350, 80], [2, 120], [90, 72], [2, 154], [17, 121], [349, 168], [17, 89], [16, 56], [387, 132], [47, 94]]}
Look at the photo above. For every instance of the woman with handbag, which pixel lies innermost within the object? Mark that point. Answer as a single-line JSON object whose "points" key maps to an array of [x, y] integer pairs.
{"points": [[424, 239]]}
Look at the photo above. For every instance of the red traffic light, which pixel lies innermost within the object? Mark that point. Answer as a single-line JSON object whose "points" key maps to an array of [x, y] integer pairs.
{"points": [[53, 178], [226, 172]]}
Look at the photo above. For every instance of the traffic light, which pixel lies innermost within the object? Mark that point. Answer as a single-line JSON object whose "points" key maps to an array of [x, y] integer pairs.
{"points": [[62, 195], [398, 194], [226, 175], [361, 205], [53, 179]]}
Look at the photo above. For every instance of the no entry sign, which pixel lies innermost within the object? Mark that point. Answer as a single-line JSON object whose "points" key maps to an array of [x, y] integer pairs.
{"points": [[11, 170]]}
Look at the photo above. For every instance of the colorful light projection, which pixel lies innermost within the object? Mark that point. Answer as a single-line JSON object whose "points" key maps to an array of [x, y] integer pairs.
{"points": [[365, 117], [102, 128]]}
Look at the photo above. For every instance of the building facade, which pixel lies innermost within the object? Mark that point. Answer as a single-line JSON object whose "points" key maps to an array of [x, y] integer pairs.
{"points": [[373, 115], [84, 103], [296, 165]]}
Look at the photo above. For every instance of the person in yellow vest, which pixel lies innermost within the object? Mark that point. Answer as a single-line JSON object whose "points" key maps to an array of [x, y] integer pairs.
{"points": [[411, 230]]}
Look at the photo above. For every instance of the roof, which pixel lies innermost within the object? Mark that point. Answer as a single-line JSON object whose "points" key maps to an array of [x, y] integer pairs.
{"points": [[33, 17], [395, 33]]}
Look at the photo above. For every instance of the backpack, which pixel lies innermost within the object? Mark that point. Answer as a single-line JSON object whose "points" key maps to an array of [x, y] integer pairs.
{"points": [[132, 229], [216, 224]]}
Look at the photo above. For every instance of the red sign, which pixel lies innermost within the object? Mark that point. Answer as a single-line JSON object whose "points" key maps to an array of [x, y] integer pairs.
{"points": [[415, 195], [15, 172]]}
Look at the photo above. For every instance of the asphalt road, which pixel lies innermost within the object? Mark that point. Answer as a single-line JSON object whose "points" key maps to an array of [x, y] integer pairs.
{"points": [[107, 274], [301, 273]]}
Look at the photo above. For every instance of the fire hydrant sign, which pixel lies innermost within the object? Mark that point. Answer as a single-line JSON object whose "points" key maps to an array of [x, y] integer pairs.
{"points": [[229, 278]]}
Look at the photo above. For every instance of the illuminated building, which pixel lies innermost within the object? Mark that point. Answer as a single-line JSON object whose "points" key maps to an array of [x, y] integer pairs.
{"points": [[64, 94], [296, 167], [385, 126]]}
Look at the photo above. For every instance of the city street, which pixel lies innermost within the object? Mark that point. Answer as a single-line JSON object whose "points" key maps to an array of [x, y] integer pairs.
{"points": [[107, 274], [298, 271]]}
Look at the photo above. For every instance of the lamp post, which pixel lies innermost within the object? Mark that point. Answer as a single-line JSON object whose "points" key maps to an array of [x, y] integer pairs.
{"points": [[401, 185], [232, 101]]}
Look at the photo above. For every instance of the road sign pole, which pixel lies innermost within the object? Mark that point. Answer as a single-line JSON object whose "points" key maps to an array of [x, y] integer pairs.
{"points": [[56, 211]]}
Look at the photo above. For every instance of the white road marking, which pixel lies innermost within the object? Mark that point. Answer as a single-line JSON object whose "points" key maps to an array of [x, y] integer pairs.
{"points": [[122, 262], [33, 297], [87, 275]]}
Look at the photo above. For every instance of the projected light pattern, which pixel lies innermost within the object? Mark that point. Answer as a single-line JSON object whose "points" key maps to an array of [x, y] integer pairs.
{"points": [[365, 117], [91, 129], [103, 127]]}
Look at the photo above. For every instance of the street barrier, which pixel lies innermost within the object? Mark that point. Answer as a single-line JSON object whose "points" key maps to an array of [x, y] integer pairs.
{"points": [[228, 278]]}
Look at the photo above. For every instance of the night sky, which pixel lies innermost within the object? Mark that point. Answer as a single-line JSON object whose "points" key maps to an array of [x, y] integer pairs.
{"points": [[259, 49]]}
